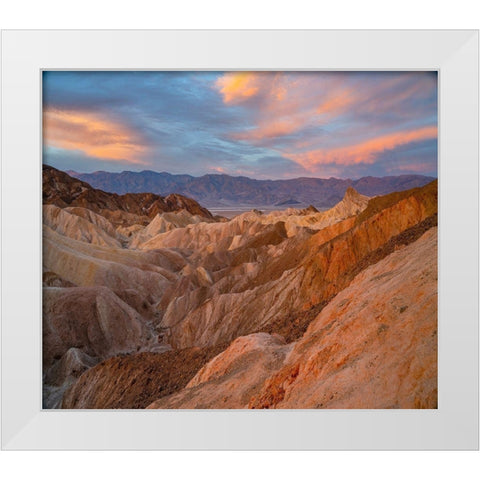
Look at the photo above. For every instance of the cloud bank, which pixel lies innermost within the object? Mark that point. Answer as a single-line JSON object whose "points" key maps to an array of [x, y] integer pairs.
{"points": [[259, 124]]}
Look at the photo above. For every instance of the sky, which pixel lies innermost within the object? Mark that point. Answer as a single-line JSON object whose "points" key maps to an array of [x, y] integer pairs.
{"points": [[265, 125]]}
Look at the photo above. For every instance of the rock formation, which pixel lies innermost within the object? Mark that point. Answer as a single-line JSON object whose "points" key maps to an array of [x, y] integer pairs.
{"points": [[373, 346], [62, 190], [151, 301]]}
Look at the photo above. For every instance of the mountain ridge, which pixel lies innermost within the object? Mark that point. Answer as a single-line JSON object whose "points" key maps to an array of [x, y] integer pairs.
{"points": [[226, 190], [62, 190]]}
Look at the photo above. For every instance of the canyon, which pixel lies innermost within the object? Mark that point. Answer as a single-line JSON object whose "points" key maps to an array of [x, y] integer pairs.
{"points": [[151, 301]]}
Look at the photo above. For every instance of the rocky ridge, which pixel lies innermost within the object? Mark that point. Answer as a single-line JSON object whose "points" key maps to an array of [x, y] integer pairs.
{"points": [[371, 347], [214, 190], [146, 285], [63, 190]]}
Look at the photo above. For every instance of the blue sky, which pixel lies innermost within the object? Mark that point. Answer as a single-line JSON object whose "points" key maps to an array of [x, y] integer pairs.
{"points": [[256, 124]]}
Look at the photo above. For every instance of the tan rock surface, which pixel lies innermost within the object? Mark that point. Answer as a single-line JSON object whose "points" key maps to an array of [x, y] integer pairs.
{"points": [[238, 231], [81, 224], [352, 204], [86, 264], [373, 346], [234, 376], [93, 320], [141, 272], [166, 222], [301, 275]]}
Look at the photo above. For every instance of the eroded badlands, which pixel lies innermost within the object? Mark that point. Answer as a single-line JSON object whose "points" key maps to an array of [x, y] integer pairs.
{"points": [[153, 302]]}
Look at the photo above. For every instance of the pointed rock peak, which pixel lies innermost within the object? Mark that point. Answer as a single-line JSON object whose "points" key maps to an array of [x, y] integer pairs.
{"points": [[351, 192], [351, 195]]}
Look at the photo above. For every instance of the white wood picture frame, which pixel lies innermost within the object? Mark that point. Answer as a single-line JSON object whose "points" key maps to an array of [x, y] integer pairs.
{"points": [[454, 425]]}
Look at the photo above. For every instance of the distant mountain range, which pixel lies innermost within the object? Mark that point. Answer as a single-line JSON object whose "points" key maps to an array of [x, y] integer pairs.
{"points": [[224, 190]]}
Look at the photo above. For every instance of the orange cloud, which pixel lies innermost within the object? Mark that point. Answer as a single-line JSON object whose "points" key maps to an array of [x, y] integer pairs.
{"points": [[92, 135], [285, 104], [364, 152], [279, 92], [237, 86], [336, 103]]}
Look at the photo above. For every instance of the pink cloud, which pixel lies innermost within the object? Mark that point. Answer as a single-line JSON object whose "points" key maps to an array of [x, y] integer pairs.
{"points": [[361, 153], [284, 103], [336, 103]]}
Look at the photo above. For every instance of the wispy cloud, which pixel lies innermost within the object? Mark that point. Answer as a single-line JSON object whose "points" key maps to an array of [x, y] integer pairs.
{"points": [[95, 136], [365, 152], [264, 124]]}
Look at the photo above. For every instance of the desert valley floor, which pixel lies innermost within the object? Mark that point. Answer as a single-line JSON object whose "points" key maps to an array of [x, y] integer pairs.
{"points": [[154, 302]]}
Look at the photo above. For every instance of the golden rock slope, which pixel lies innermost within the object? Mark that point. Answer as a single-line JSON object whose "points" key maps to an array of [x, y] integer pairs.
{"points": [[116, 285], [373, 346]]}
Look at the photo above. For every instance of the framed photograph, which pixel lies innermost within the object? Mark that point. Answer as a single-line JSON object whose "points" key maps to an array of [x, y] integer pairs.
{"points": [[247, 240]]}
